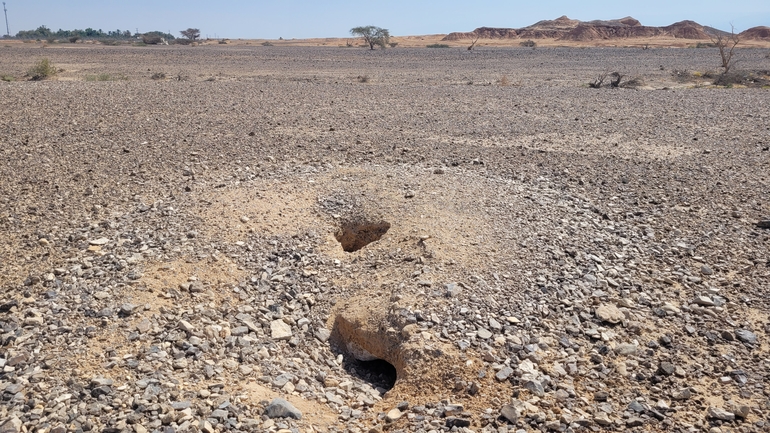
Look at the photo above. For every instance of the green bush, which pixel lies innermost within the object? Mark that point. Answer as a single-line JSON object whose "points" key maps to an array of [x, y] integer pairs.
{"points": [[7, 78], [437, 46], [41, 70]]}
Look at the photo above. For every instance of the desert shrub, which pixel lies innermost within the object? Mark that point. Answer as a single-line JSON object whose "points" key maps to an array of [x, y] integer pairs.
{"points": [[617, 77], [705, 45], [223, 41], [437, 46], [503, 81], [73, 39], [528, 43], [50, 39], [158, 76], [267, 44], [363, 78], [180, 41], [41, 70], [7, 78], [393, 44], [109, 42]]}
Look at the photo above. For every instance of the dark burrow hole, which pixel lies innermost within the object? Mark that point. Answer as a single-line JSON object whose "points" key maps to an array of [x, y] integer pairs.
{"points": [[378, 373], [354, 235]]}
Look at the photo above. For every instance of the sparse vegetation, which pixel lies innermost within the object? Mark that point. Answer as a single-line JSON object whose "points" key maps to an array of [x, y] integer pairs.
{"points": [[158, 76], [437, 46], [73, 39], [42, 70], [598, 81], [473, 44], [267, 44], [363, 78], [503, 81], [224, 41], [7, 78], [705, 45], [104, 77], [393, 44], [528, 43], [372, 35]]}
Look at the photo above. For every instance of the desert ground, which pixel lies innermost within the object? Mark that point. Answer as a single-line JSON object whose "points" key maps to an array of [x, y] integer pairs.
{"points": [[401, 240]]}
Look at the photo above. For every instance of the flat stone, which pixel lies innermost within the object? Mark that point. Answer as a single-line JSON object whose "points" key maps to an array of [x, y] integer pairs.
{"points": [[746, 336], [186, 326], [484, 334], [720, 414], [99, 242], [602, 419], [280, 408], [704, 301], [764, 223], [453, 290], [509, 413], [494, 324], [280, 330], [143, 326], [457, 422], [609, 313], [705, 270], [101, 381], [626, 349]]}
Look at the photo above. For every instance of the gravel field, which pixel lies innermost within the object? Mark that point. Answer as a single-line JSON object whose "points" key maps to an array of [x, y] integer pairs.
{"points": [[287, 239]]}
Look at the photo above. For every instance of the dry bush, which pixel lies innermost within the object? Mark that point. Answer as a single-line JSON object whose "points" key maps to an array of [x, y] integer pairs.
{"points": [[617, 77], [633, 83], [158, 76], [598, 81], [363, 78], [74, 39], [529, 43], [503, 81], [726, 46], [180, 41], [41, 70]]}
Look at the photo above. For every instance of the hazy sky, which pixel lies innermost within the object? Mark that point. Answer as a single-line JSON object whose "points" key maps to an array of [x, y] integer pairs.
{"points": [[310, 18]]}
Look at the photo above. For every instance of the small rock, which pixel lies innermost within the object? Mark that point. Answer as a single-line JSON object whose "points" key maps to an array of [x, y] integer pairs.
{"points": [[634, 422], [666, 369], [720, 414], [764, 223], [280, 330], [626, 349], [127, 309], [504, 373], [323, 334], [510, 413], [682, 394], [99, 242], [280, 408], [393, 415], [453, 290], [602, 418], [186, 326], [705, 270], [609, 313], [535, 387]]}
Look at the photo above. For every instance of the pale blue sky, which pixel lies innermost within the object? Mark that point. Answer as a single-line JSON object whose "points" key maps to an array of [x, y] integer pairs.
{"points": [[309, 18]]}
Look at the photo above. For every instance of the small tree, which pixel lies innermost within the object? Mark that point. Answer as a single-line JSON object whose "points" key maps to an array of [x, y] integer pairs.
{"points": [[191, 34], [726, 45], [372, 35]]}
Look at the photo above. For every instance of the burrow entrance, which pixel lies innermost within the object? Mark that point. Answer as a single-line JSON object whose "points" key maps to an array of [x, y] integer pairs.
{"points": [[369, 353], [354, 235], [378, 372]]}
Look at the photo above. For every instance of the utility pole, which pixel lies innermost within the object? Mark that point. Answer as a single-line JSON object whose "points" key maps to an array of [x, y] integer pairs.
{"points": [[7, 29]]}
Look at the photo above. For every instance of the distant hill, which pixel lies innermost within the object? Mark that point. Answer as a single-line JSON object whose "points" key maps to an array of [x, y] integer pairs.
{"points": [[564, 28]]}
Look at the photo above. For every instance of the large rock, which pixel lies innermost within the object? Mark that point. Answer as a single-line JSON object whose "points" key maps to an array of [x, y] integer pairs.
{"points": [[280, 408], [720, 414]]}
